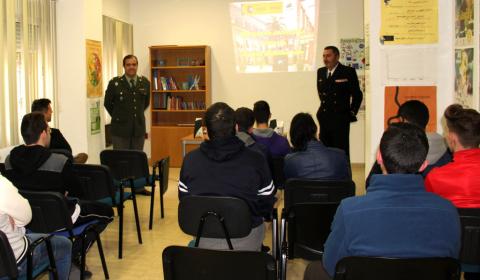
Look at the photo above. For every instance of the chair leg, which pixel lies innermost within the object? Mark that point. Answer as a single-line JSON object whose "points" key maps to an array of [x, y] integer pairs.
{"points": [[102, 256], [152, 202], [51, 258], [120, 230], [161, 204], [83, 255], [137, 221]]}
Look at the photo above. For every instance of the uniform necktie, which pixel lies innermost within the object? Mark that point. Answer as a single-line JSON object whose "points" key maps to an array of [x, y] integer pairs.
{"points": [[329, 75], [132, 83]]}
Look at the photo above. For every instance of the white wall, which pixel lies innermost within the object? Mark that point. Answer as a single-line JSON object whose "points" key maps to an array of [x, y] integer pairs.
{"points": [[443, 72], [193, 22], [76, 22], [117, 9]]}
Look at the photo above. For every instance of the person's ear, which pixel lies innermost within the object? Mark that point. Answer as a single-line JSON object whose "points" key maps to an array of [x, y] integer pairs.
{"points": [[380, 162], [379, 157], [424, 165]]}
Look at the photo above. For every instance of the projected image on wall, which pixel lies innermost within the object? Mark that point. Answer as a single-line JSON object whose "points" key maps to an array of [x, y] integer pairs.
{"points": [[274, 36]]}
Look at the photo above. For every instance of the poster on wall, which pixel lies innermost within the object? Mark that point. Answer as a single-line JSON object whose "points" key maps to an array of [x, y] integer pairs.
{"points": [[464, 22], [95, 118], [94, 68], [464, 77], [409, 22], [397, 95], [352, 53]]}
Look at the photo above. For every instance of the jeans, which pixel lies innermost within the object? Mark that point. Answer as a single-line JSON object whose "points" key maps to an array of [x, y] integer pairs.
{"points": [[62, 252]]}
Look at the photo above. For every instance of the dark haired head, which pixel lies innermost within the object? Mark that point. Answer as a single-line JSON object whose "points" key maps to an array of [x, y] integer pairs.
{"points": [[333, 49], [129, 56], [40, 105], [220, 121], [302, 130], [465, 123], [414, 112], [244, 118], [404, 148], [32, 126], [261, 111]]}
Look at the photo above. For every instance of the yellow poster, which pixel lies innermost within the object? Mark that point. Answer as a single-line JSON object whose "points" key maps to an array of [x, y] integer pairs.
{"points": [[94, 68], [409, 22]]}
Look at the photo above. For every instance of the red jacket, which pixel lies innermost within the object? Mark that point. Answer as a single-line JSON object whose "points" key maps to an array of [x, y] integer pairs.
{"points": [[458, 181]]}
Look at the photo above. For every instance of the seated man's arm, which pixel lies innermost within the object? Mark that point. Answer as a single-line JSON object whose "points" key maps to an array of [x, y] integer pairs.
{"points": [[13, 204], [183, 182], [266, 190], [58, 141], [335, 247]]}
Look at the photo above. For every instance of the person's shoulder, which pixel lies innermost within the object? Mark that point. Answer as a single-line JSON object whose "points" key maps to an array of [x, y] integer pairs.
{"points": [[143, 79]]}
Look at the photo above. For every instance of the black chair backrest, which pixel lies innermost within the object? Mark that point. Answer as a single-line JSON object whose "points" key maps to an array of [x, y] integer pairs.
{"points": [[278, 175], [470, 220], [8, 264], [125, 163], [2, 168], [374, 268], [164, 172], [310, 227], [234, 211], [64, 152], [97, 182], [184, 263], [311, 206], [310, 191], [49, 211]]}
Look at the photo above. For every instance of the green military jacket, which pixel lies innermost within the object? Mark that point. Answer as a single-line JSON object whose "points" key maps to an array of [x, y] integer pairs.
{"points": [[126, 106]]}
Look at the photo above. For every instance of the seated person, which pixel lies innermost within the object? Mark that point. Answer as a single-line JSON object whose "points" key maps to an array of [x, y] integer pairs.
{"points": [[245, 120], [223, 166], [459, 180], [33, 167], [57, 141], [396, 218], [310, 159], [416, 112], [15, 214], [277, 145]]}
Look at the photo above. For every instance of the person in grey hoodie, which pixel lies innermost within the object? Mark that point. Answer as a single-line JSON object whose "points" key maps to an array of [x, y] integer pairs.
{"points": [[416, 112], [15, 214]]}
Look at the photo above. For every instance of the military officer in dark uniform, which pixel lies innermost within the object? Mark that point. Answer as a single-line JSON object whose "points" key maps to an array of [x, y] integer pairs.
{"points": [[126, 99], [340, 97]]}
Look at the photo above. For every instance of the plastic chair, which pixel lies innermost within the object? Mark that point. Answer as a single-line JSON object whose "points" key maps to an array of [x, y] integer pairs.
{"points": [[378, 268], [50, 215], [185, 263], [220, 217], [470, 252], [131, 167], [97, 183], [310, 207], [8, 264]]}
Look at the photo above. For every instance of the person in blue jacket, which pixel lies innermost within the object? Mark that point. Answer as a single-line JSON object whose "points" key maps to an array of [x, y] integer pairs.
{"points": [[397, 217]]}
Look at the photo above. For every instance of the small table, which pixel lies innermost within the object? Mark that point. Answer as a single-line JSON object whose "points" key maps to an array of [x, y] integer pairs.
{"points": [[190, 141]]}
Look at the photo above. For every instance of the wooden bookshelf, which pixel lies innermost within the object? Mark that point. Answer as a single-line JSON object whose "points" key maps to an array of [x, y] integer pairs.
{"points": [[180, 92]]}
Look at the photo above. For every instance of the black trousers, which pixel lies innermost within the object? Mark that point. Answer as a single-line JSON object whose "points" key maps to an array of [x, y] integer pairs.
{"points": [[335, 130]]}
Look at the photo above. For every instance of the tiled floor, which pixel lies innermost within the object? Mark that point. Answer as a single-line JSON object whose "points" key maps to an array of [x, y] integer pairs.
{"points": [[145, 261]]}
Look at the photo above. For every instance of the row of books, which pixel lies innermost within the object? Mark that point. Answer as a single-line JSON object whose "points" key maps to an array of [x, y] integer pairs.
{"points": [[169, 83], [169, 102]]}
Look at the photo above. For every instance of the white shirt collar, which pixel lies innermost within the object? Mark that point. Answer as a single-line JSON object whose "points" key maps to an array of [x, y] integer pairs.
{"points": [[333, 70]]}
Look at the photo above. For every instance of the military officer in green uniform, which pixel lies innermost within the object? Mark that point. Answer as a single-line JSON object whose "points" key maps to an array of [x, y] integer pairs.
{"points": [[126, 99]]}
